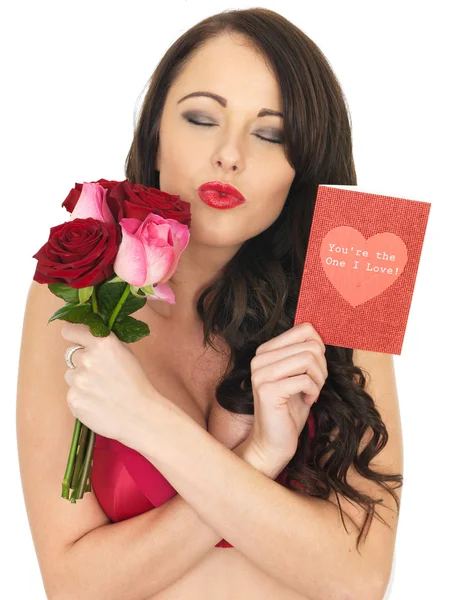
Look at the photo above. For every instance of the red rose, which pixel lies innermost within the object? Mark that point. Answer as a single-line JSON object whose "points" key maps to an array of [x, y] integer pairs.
{"points": [[79, 253], [138, 201], [126, 199]]}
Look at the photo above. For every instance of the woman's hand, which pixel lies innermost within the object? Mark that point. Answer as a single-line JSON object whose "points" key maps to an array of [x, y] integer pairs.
{"points": [[109, 390], [287, 374]]}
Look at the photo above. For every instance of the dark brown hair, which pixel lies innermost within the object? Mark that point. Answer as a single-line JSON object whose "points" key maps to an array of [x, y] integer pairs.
{"points": [[255, 297]]}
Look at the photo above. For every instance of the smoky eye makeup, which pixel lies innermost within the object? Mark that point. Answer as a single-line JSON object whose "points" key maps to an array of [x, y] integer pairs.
{"points": [[276, 136], [196, 116]]}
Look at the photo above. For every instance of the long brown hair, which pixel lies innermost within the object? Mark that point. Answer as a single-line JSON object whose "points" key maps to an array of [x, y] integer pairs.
{"points": [[255, 297]]}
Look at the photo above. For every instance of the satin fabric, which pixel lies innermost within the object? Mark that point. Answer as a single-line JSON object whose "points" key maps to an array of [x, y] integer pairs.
{"points": [[126, 484]]}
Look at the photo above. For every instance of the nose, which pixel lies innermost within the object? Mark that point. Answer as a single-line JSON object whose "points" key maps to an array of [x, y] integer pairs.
{"points": [[228, 157], [231, 167]]}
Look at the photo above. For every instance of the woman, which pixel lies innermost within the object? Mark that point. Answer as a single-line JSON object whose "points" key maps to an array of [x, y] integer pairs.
{"points": [[219, 475]]}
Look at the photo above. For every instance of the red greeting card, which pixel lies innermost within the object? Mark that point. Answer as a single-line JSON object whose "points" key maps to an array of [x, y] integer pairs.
{"points": [[361, 266]]}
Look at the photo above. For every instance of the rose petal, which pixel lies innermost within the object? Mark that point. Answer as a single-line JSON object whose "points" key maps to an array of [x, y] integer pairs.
{"points": [[130, 263], [163, 292], [92, 203]]}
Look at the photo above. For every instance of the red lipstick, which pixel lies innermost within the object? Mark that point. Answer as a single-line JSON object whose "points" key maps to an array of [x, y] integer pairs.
{"points": [[220, 195]]}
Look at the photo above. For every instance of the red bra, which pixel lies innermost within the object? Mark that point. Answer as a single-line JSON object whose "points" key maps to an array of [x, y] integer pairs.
{"points": [[126, 484]]}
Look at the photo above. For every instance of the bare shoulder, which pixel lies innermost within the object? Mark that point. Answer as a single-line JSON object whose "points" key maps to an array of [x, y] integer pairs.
{"points": [[44, 426], [381, 385]]}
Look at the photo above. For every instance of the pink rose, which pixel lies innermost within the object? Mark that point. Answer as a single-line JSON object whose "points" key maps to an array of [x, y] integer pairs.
{"points": [[149, 253], [114, 205], [92, 203]]}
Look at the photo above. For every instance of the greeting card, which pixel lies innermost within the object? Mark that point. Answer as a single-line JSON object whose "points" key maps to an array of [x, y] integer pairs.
{"points": [[360, 270]]}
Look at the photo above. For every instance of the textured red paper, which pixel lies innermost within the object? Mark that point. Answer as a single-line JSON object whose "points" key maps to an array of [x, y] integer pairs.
{"points": [[361, 265]]}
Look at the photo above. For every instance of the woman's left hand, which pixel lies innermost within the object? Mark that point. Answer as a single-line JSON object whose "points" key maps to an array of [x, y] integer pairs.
{"points": [[287, 374], [109, 390]]}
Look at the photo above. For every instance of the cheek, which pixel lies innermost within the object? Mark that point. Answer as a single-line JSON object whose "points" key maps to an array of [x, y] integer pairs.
{"points": [[183, 158], [286, 177], [275, 187], [271, 197]]}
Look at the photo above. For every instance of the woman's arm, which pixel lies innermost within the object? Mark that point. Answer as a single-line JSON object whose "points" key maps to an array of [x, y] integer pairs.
{"points": [[298, 540], [140, 556]]}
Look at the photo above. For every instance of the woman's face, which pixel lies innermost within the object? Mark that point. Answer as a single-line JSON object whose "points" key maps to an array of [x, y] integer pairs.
{"points": [[231, 150]]}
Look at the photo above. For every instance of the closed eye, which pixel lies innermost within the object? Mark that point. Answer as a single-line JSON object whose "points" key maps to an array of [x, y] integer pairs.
{"points": [[190, 120]]}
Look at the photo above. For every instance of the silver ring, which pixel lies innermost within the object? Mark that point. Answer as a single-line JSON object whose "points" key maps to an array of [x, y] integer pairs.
{"points": [[68, 355]]}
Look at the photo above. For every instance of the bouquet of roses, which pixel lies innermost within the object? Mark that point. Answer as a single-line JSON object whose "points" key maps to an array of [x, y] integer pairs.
{"points": [[121, 239]]}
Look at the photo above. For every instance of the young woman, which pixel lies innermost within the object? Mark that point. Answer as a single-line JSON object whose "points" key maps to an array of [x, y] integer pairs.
{"points": [[217, 474]]}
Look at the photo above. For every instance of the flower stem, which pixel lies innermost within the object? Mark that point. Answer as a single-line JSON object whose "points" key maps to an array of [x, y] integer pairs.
{"points": [[78, 474], [66, 483], [120, 303], [94, 301], [79, 490], [89, 477], [80, 453]]}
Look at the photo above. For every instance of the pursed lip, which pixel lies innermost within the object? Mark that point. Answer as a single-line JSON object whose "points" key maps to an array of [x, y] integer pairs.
{"points": [[224, 188]]}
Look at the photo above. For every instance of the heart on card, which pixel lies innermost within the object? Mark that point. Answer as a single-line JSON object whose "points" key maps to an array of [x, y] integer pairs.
{"points": [[359, 268]]}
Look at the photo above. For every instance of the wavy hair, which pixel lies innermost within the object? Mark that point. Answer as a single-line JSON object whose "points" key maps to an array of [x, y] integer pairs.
{"points": [[255, 297]]}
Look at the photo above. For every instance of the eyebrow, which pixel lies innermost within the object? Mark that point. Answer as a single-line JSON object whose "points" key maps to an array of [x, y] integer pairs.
{"points": [[262, 113]]}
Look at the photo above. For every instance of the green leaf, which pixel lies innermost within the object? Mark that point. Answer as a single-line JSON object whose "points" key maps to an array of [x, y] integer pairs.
{"points": [[114, 279], [109, 294], [135, 291], [103, 316], [129, 330], [65, 292], [74, 313], [85, 294], [148, 289], [61, 312]]}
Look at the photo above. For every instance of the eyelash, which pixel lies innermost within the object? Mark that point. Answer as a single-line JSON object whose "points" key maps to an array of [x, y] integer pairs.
{"points": [[190, 120]]}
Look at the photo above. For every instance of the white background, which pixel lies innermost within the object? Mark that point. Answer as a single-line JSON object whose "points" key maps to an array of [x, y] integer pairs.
{"points": [[73, 76]]}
